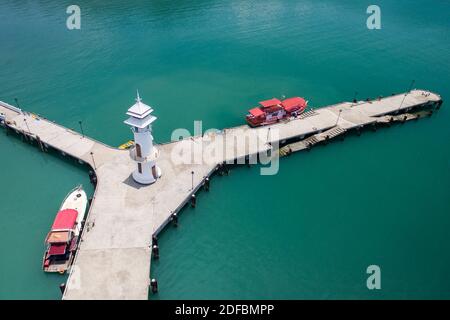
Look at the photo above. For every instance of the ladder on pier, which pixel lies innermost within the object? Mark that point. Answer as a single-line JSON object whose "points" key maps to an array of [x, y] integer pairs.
{"points": [[307, 114], [311, 141]]}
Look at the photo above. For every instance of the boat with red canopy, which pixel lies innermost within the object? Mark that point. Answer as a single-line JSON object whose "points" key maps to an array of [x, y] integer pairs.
{"points": [[62, 240], [273, 110]]}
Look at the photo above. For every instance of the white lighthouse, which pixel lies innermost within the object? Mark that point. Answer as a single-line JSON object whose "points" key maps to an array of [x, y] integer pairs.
{"points": [[143, 152]]}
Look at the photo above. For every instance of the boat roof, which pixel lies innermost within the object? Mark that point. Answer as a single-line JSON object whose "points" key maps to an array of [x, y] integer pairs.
{"points": [[256, 112], [65, 219], [292, 103], [58, 237], [57, 249], [270, 103]]}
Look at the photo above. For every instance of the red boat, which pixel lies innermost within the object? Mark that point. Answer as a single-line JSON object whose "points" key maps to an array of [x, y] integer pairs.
{"points": [[62, 240], [273, 110]]}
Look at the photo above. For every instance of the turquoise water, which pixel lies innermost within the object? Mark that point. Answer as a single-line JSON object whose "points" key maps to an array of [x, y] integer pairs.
{"points": [[308, 232]]}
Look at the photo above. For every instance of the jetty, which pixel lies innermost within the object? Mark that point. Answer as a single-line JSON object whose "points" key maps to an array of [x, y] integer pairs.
{"points": [[114, 256]]}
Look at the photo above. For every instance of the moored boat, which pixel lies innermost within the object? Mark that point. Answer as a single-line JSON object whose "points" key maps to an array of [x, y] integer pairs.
{"points": [[273, 110], [62, 240]]}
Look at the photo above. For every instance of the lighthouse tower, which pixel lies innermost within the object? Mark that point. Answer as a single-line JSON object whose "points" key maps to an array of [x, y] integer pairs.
{"points": [[143, 152]]}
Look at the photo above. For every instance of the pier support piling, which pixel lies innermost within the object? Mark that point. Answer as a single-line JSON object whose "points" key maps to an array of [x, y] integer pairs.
{"points": [[154, 286], [206, 184], [174, 219], [92, 177], [62, 288], [155, 251], [374, 127], [193, 201]]}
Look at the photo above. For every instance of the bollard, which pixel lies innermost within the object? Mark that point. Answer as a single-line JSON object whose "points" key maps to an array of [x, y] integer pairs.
{"points": [[154, 286], [174, 219], [207, 184], [155, 251], [193, 201], [62, 287]]}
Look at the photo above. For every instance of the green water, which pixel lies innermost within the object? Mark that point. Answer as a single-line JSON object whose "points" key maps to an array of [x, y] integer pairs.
{"points": [[309, 231]]}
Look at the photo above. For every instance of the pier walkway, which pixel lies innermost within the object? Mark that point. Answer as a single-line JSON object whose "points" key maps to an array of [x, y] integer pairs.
{"points": [[114, 257]]}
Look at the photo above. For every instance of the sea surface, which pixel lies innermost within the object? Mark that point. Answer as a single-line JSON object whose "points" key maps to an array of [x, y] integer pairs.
{"points": [[309, 232]]}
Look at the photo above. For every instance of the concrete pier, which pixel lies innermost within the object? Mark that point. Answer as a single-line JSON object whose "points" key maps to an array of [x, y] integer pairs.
{"points": [[114, 257]]}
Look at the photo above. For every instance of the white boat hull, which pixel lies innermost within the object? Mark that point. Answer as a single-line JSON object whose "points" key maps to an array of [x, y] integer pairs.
{"points": [[76, 200]]}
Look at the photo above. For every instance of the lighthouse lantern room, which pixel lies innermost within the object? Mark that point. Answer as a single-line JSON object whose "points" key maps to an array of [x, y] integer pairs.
{"points": [[143, 152]]}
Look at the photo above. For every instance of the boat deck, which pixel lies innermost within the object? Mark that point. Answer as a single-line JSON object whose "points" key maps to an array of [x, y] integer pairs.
{"points": [[114, 256], [59, 267]]}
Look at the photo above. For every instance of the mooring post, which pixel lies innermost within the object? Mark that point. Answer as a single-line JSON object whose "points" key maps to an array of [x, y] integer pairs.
{"points": [[207, 184], [154, 285], [154, 240], [155, 251], [174, 219], [193, 201]]}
